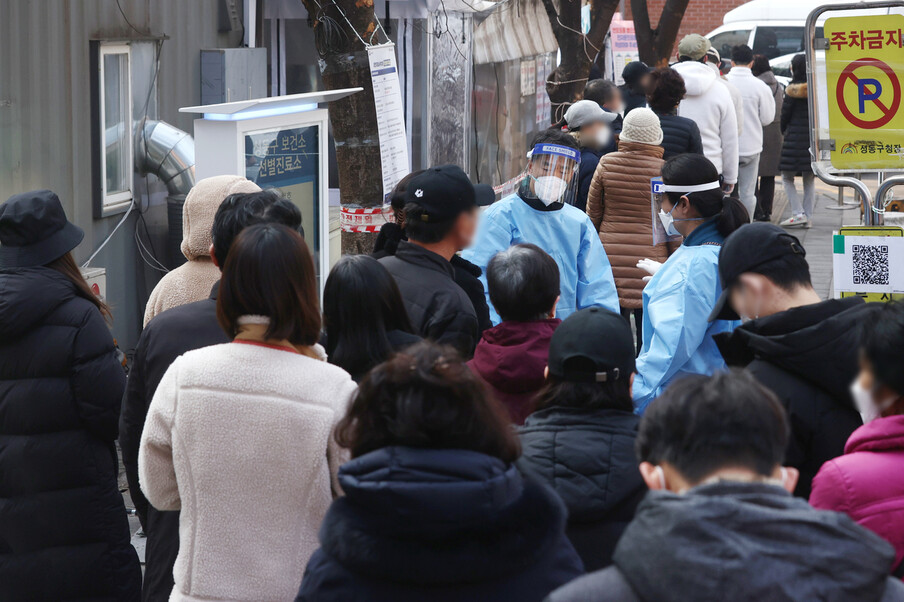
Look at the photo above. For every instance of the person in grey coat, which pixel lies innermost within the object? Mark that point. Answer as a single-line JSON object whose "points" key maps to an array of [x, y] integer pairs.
{"points": [[720, 523], [772, 142]]}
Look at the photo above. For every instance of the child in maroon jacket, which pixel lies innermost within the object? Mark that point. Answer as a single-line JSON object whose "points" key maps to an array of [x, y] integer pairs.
{"points": [[511, 358]]}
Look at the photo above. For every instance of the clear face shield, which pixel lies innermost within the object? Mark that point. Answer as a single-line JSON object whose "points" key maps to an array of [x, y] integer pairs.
{"points": [[552, 174], [663, 221]]}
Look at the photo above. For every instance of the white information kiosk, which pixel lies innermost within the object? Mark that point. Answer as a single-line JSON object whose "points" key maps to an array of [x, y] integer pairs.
{"points": [[278, 142]]}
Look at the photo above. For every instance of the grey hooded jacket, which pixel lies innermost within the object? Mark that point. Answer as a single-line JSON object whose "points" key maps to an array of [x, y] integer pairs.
{"points": [[740, 542]]}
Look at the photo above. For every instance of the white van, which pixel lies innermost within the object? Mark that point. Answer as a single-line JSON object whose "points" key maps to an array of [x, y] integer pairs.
{"points": [[771, 27], [774, 28]]}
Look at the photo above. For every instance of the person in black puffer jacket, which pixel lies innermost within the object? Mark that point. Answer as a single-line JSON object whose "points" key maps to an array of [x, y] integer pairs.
{"points": [[467, 275], [679, 134], [795, 157], [64, 534], [802, 348], [433, 507], [577, 413]]}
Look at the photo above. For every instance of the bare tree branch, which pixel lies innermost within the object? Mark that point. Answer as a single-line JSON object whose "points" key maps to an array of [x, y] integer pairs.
{"points": [[643, 33], [655, 45], [566, 82], [553, 17], [669, 24]]}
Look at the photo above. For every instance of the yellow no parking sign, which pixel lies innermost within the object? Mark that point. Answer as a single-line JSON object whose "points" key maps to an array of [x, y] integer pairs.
{"points": [[864, 69]]}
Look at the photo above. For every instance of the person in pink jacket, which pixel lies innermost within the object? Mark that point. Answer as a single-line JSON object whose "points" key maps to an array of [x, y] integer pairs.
{"points": [[867, 482]]}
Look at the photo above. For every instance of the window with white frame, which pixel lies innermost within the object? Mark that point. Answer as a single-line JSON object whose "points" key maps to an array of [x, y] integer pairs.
{"points": [[115, 97]]}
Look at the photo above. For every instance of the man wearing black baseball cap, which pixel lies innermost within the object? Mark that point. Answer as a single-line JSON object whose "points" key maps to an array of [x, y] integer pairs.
{"points": [[802, 348], [440, 219]]}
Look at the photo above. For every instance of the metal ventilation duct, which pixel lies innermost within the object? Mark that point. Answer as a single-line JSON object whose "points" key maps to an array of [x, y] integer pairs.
{"points": [[168, 153]]}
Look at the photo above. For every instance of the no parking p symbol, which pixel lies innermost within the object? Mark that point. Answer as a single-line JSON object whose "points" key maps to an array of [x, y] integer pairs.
{"points": [[863, 95], [864, 86], [868, 90]]}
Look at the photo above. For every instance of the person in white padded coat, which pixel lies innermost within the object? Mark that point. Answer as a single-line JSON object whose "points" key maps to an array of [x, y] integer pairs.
{"points": [[239, 436], [708, 103]]}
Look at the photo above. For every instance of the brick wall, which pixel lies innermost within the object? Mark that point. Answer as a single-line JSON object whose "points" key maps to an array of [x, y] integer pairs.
{"points": [[702, 16]]}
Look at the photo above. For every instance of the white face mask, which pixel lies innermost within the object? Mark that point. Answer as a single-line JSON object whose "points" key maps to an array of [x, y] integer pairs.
{"points": [[549, 189], [603, 136], [668, 222], [866, 405]]}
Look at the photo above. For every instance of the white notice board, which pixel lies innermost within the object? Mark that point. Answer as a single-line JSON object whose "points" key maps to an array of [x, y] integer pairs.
{"points": [[390, 116]]}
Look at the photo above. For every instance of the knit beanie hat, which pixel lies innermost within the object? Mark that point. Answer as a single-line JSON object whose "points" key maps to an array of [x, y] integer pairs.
{"points": [[641, 125]]}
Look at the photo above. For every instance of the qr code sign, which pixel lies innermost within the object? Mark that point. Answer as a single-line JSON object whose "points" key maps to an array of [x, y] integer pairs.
{"points": [[870, 264]]}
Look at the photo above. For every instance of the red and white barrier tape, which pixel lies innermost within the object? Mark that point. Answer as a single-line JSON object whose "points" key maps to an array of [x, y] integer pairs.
{"points": [[364, 219]]}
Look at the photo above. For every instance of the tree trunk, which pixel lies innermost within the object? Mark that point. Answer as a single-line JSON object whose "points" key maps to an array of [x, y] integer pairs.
{"points": [[344, 64], [565, 85], [655, 45]]}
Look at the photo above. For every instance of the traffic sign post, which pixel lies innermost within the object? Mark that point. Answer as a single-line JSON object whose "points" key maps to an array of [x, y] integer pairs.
{"points": [[864, 63], [854, 77]]}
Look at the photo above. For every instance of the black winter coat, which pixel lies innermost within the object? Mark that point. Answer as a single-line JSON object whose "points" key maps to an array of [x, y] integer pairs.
{"points": [[590, 158], [632, 97], [439, 525], [64, 534], [796, 130], [439, 309], [467, 275], [166, 337], [679, 135], [808, 357], [588, 457]]}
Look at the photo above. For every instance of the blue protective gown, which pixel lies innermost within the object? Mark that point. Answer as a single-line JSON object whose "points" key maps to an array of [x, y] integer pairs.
{"points": [[677, 336], [567, 234]]}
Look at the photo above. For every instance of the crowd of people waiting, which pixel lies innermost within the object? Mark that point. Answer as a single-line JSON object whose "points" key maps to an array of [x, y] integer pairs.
{"points": [[470, 416]]}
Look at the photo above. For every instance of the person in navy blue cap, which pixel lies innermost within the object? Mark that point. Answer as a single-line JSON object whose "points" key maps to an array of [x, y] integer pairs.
{"points": [[64, 534], [441, 206]]}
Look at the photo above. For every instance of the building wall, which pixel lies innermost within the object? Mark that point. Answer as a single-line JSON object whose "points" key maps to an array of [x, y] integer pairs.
{"points": [[45, 117], [701, 16]]}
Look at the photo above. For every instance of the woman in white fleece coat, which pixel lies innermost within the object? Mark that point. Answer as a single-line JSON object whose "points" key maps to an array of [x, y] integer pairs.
{"points": [[239, 436]]}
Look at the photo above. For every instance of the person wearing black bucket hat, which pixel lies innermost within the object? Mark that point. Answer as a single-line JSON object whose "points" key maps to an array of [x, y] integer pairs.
{"points": [[802, 348], [34, 230], [63, 528], [586, 405]]}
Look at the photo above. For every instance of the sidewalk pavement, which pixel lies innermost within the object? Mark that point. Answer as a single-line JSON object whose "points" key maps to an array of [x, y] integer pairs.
{"points": [[817, 240]]}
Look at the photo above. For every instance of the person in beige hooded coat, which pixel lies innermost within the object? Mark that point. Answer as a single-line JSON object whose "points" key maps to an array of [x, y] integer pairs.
{"points": [[193, 280]]}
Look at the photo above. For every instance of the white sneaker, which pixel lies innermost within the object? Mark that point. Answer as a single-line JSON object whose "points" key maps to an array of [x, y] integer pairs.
{"points": [[796, 221]]}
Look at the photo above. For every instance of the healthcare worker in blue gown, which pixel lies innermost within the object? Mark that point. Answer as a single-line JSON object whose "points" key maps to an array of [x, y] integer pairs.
{"points": [[677, 301], [540, 213]]}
